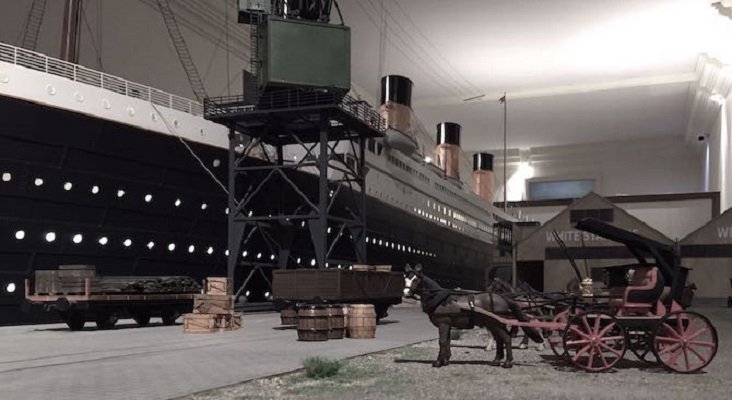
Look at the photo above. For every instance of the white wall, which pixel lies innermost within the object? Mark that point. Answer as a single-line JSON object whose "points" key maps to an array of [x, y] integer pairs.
{"points": [[720, 155], [666, 164]]}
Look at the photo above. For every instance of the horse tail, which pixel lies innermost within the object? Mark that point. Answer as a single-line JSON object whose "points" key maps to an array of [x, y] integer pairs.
{"points": [[532, 333]]}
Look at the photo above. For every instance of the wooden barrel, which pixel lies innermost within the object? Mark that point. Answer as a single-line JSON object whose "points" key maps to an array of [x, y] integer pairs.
{"points": [[337, 323], [288, 316], [361, 321], [313, 323]]}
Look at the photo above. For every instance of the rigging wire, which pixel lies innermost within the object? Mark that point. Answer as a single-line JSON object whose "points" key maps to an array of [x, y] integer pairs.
{"points": [[93, 42], [401, 47], [444, 59], [228, 61], [175, 133], [382, 42], [435, 63]]}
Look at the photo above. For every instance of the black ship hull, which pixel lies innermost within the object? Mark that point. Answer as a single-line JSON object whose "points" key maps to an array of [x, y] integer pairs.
{"points": [[75, 189]]}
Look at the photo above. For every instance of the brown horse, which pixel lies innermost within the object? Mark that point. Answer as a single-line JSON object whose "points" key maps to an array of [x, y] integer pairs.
{"points": [[449, 309]]}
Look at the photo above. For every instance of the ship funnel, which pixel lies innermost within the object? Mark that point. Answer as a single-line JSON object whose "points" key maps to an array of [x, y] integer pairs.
{"points": [[396, 110], [447, 152], [483, 176]]}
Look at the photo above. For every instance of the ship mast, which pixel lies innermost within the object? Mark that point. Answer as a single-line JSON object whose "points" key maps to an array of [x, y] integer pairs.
{"points": [[71, 33]]}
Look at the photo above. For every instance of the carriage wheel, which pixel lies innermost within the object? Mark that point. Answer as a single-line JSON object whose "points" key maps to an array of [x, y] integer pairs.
{"points": [[594, 341], [641, 345], [556, 337], [685, 341]]}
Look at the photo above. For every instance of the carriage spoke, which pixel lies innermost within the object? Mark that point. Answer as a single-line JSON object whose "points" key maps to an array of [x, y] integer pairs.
{"points": [[679, 326], [671, 330], [591, 358], [577, 331], [610, 349], [667, 339], [581, 352], [696, 353], [596, 328], [697, 333], [576, 342], [668, 349], [686, 359], [675, 356], [611, 338], [604, 361], [586, 324], [701, 343]]}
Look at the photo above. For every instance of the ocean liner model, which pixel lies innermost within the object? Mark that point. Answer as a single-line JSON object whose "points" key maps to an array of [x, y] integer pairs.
{"points": [[98, 170]]}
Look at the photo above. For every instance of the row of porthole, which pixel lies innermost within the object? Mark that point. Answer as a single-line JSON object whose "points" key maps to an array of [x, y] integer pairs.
{"points": [[95, 189], [399, 247], [78, 238]]}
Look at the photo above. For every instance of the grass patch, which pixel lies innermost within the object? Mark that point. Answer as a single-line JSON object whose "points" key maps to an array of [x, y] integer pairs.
{"points": [[321, 367]]}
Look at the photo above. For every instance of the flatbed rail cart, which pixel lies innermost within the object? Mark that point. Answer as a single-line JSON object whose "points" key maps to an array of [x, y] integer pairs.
{"points": [[83, 300]]}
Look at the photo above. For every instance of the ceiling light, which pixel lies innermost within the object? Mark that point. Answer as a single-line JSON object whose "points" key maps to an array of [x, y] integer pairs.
{"points": [[20, 235], [50, 237], [103, 240], [78, 238]]}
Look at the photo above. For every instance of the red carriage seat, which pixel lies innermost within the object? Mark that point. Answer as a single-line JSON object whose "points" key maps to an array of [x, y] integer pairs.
{"points": [[643, 292]]}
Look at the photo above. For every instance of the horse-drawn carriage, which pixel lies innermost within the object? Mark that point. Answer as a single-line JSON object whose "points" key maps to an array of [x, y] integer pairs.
{"points": [[639, 310]]}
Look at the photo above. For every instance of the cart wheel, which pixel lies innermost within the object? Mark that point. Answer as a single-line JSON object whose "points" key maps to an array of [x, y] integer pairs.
{"points": [[641, 345], [75, 320], [594, 341], [685, 341], [142, 317], [556, 337], [106, 320], [169, 316]]}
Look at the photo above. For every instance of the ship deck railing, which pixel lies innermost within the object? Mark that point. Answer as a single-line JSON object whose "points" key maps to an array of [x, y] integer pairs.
{"points": [[78, 73], [224, 107]]}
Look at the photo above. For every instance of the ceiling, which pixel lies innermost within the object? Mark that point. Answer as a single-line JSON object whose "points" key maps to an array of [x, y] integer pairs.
{"points": [[575, 71]]}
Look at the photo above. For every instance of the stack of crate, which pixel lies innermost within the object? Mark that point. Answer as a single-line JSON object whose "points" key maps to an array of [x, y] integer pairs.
{"points": [[213, 311]]}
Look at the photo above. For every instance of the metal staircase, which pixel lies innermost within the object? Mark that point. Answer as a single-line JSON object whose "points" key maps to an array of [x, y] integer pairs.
{"points": [[194, 78], [33, 24]]}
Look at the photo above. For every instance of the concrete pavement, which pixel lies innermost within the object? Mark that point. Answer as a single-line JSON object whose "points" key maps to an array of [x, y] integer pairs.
{"points": [[160, 362]]}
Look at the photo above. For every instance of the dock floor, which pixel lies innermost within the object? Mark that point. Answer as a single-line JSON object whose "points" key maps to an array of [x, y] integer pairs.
{"points": [[161, 362]]}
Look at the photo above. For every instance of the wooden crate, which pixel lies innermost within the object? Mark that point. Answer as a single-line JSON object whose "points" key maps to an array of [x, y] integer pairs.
{"points": [[63, 281], [201, 323], [217, 286], [213, 304], [230, 322]]}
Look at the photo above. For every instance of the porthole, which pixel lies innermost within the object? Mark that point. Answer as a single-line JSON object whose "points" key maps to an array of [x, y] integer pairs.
{"points": [[298, 260], [10, 287], [127, 242], [226, 211], [38, 182], [120, 193], [7, 176], [103, 240], [150, 245], [259, 255], [210, 250], [50, 237], [216, 163], [178, 202], [148, 198], [78, 238], [247, 293], [204, 206], [68, 186], [191, 249], [20, 235], [95, 189], [171, 247], [226, 252], [244, 253], [312, 262], [272, 257]]}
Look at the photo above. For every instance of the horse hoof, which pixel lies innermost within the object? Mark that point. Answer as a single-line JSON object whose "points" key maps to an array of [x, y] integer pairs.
{"points": [[437, 364], [507, 364]]}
